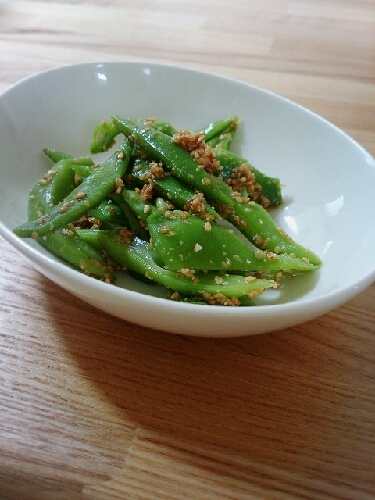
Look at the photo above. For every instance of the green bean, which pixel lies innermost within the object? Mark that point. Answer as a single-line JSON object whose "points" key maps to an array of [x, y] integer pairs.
{"points": [[89, 194], [268, 191], [91, 236], [177, 237], [55, 155], [141, 208], [215, 131], [169, 187], [103, 137], [135, 254], [109, 212], [165, 127], [79, 253], [223, 141], [64, 243], [177, 159], [131, 205], [66, 180], [250, 218], [104, 134], [56, 184], [186, 241]]}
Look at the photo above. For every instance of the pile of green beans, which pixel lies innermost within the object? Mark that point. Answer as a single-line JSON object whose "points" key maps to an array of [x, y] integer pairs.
{"points": [[154, 209]]}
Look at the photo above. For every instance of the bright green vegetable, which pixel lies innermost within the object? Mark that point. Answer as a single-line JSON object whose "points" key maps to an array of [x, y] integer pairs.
{"points": [[169, 187], [187, 241], [165, 127], [161, 209], [140, 207], [135, 254], [250, 218], [65, 243], [268, 190], [109, 212], [103, 137], [56, 156], [216, 128], [104, 134], [89, 194], [134, 210], [162, 148]]}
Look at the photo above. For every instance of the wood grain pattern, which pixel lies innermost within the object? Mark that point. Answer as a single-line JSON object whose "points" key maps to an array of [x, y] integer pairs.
{"points": [[96, 408]]}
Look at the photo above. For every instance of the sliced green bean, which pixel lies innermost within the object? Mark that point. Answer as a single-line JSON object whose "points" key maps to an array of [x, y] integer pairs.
{"points": [[135, 254], [186, 241], [64, 243], [103, 137], [89, 194], [217, 128], [250, 218], [142, 208], [130, 210], [169, 187], [110, 212], [178, 160], [267, 187], [55, 155], [165, 127]]}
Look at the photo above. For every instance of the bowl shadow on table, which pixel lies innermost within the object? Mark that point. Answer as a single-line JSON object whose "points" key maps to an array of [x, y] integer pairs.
{"points": [[250, 407]]}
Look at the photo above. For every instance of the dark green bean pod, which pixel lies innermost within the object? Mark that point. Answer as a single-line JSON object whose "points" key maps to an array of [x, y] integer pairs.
{"points": [[268, 192]]}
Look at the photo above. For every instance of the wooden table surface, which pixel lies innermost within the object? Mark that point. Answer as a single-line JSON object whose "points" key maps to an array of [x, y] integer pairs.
{"points": [[96, 408]]}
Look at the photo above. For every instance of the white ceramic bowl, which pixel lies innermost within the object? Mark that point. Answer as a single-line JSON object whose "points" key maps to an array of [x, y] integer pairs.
{"points": [[329, 184]]}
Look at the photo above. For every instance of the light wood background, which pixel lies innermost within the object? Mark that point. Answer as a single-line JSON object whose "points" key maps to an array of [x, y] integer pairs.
{"points": [[96, 408]]}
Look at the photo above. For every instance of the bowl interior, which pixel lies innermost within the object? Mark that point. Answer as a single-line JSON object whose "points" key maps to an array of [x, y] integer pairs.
{"points": [[328, 179]]}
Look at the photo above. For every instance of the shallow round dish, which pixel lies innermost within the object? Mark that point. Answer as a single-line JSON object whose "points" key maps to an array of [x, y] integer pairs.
{"points": [[329, 202]]}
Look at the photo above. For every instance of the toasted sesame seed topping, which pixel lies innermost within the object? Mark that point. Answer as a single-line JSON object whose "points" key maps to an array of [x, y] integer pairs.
{"points": [[65, 206], [250, 278], [119, 185]]}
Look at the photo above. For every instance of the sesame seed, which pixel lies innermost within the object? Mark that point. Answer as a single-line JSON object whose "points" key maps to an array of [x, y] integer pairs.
{"points": [[250, 278]]}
